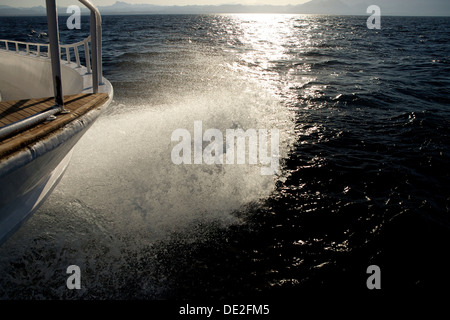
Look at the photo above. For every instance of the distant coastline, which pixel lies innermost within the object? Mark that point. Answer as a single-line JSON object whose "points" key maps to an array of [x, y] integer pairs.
{"points": [[332, 7]]}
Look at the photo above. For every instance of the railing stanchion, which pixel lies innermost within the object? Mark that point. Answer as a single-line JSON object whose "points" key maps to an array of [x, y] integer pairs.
{"points": [[77, 56], [99, 48], [96, 45], [87, 56], [68, 54], [94, 52], [52, 20]]}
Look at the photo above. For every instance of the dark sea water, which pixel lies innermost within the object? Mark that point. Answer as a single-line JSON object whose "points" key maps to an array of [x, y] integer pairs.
{"points": [[364, 124]]}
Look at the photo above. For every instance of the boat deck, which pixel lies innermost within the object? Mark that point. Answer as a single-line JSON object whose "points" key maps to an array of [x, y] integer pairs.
{"points": [[13, 111]]}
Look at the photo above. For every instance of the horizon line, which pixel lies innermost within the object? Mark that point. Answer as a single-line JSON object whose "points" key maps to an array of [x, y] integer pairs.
{"points": [[205, 9], [225, 13]]}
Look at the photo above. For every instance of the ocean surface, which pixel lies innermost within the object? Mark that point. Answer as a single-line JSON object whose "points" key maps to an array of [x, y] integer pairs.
{"points": [[364, 123]]}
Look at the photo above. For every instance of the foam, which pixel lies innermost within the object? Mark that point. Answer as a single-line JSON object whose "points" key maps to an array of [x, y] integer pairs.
{"points": [[122, 168]]}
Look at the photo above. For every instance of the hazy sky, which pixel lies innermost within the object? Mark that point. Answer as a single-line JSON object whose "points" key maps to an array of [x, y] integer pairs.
{"points": [[393, 7], [32, 3]]}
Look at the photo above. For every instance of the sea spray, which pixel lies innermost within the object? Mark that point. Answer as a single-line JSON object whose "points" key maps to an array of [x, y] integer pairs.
{"points": [[123, 203]]}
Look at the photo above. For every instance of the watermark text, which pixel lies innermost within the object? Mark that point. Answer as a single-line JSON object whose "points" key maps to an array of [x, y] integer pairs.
{"points": [[230, 149], [374, 21]]}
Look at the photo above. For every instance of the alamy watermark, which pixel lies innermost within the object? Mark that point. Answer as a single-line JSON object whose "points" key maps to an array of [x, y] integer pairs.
{"points": [[74, 280], [374, 21], [230, 149], [74, 20], [374, 280]]}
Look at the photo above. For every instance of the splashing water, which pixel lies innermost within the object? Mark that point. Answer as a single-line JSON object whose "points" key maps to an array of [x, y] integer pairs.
{"points": [[122, 198]]}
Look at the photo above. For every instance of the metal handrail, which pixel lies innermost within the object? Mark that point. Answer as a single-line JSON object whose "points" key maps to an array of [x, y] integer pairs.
{"points": [[83, 43], [96, 36], [26, 44], [96, 45], [26, 123], [38, 52]]}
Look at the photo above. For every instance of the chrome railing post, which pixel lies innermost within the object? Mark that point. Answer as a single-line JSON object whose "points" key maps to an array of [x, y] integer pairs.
{"points": [[99, 47], [96, 45], [87, 56], [94, 53], [53, 35]]}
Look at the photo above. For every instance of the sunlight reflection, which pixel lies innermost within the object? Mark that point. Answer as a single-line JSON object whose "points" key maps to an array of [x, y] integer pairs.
{"points": [[272, 48], [267, 36]]}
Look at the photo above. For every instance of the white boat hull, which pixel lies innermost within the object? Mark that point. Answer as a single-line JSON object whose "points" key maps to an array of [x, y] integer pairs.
{"points": [[17, 211], [28, 177]]}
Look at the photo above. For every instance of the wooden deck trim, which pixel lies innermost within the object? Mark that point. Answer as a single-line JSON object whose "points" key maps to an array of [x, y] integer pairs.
{"points": [[12, 111], [78, 105]]}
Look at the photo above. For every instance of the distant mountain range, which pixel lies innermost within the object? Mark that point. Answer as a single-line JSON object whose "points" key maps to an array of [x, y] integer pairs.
{"points": [[336, 7]]}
